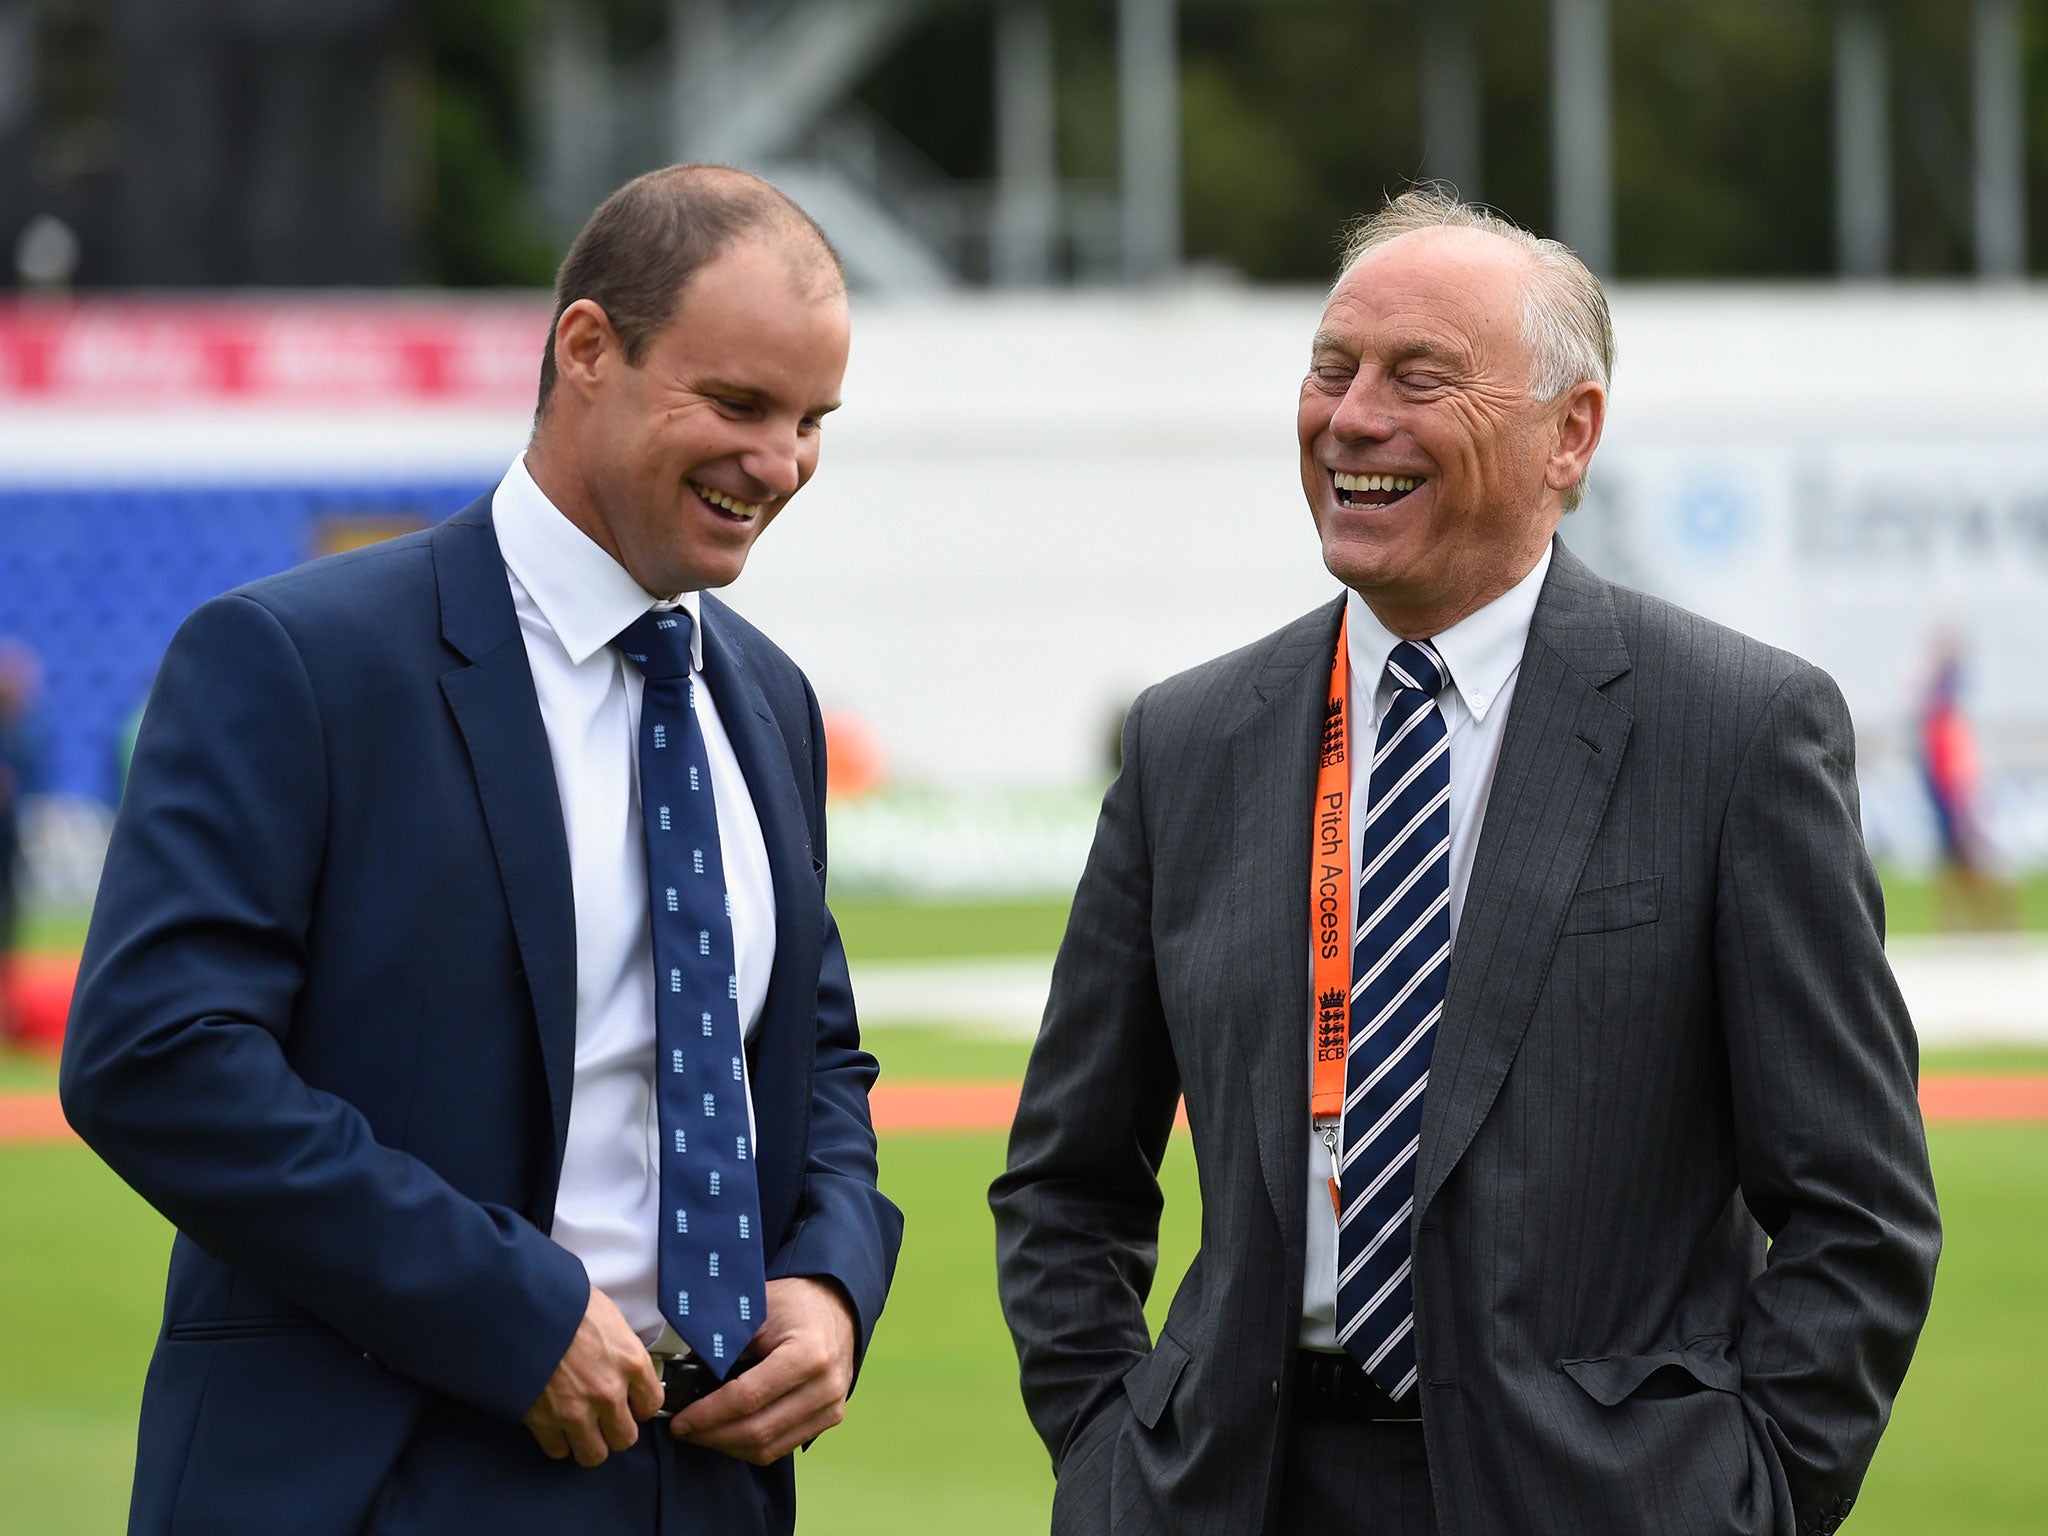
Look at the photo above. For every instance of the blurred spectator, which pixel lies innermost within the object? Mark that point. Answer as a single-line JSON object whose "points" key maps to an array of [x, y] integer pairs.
{"points": [[1968, 892], [21, 672]]}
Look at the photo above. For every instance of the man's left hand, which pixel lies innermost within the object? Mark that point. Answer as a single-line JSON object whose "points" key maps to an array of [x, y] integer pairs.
{"points": [[798, 1388]]}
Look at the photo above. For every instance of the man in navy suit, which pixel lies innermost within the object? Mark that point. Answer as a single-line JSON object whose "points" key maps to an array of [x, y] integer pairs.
{"points": [[368, 1007]]}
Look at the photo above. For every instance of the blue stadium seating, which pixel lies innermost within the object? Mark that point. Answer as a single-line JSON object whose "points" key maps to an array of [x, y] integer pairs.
{"points": [[97, 579]]}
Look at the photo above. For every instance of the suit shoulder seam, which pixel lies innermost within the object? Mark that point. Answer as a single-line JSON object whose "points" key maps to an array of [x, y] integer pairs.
{"points": [[1766, 708]]}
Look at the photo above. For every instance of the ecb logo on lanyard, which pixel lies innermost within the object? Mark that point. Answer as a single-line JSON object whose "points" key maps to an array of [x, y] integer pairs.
{"points": [[1333, 1014]]}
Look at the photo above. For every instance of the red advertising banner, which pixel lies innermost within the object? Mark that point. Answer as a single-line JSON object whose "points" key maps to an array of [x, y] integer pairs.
{"points": [[282, 352]]}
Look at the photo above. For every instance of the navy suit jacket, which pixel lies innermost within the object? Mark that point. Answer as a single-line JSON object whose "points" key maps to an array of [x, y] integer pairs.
{"points": [[325, 1023]]}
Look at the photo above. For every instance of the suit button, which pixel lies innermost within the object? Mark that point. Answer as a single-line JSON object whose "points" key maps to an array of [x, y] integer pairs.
{"points": [[1276, 1391]]}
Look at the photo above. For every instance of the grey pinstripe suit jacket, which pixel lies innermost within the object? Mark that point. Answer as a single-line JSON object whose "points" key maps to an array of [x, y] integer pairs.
{"points": [[1670, 1031]]}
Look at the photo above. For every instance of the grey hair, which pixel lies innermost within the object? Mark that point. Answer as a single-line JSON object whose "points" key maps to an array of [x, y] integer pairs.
{"points": [[1564, 310]]}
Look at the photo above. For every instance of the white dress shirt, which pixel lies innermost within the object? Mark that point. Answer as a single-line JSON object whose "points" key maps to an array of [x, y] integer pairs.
{"points": [[1483, 652], [572, 600]]}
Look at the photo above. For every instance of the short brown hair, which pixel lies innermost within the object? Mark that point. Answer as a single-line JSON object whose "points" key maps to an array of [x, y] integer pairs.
{"points": [[647, 240]]}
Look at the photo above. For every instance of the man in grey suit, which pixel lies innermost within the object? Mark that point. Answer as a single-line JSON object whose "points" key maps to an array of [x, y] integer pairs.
{"points": [[1600, 1206]]}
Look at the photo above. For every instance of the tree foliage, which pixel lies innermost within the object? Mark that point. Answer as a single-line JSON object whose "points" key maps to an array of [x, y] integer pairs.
{"points": [[1297, 115]]}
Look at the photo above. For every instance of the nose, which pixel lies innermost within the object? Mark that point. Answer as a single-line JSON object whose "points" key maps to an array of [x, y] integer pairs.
{"points": [[1361, 415], [775, 458]]}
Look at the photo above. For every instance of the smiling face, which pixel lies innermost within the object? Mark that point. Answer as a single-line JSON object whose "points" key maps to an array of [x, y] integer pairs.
{"points": [[1434, 475], [675, 464]]}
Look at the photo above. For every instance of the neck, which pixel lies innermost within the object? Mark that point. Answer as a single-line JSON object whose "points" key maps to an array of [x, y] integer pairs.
{"points": [[1424, 620], [553, 469]]}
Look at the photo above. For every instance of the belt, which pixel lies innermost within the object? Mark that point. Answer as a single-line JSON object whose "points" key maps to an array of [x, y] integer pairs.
{"points": [[1330, 1386], [684, 1379]]}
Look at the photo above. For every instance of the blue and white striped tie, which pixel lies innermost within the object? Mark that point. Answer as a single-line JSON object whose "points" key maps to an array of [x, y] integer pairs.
{"points": [[1399, 958]]}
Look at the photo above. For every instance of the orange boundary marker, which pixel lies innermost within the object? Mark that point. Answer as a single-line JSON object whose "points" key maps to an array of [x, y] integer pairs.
{"points": [[944, 1108], [1985, 1098], [32, 1117]]}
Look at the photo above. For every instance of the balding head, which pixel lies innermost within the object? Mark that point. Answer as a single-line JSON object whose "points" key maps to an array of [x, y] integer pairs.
{"points": [[645, 242]]}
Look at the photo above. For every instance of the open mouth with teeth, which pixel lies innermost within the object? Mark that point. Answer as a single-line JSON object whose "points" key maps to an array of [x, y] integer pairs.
{"points": [[1372, 490], [731, 506]]}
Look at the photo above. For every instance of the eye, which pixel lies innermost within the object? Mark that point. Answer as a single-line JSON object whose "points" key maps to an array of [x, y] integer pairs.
{"points": [[1332, 376], [731, 406]]}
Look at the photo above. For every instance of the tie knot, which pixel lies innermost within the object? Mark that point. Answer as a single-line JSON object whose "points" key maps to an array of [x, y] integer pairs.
{"points": [[658, 642], [1415, 664]]}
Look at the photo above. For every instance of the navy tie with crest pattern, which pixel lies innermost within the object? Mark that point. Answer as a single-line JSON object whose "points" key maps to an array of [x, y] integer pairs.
{"points": [[711, 1271], [1400, 957]]}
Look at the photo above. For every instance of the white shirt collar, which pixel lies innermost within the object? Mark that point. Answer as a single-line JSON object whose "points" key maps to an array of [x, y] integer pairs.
{"points": [[1482, 650], [584, 594]]}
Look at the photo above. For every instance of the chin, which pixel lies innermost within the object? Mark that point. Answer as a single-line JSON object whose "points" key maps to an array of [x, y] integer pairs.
{"points": [[723, 574], [702, 571], [1363, 568]]}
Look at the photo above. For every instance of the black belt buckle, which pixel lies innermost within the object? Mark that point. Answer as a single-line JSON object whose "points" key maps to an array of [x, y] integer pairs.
{"points": [[1328, 1386], [684, 1379]]}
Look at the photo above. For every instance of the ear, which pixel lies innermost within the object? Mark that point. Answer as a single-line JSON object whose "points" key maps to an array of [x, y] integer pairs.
{"points": [[1580, 416], [586, 347]]}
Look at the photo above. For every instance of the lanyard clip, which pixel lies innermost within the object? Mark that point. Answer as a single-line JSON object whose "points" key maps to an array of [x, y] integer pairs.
{"points": [[1330, 1130]]}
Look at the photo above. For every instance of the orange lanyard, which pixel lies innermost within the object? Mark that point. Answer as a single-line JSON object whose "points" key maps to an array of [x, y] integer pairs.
{"points": [[1330, 909]]}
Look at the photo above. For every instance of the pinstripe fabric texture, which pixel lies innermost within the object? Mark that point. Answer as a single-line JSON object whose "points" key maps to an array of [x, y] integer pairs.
{"points": [[1668, 1029], [1401, 953], [1356, 1477]]}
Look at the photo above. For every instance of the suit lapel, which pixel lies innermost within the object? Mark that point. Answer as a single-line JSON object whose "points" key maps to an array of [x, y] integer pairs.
{"points": [[1557, 767], [498, 713], [785, 1050], [1273, 768]]}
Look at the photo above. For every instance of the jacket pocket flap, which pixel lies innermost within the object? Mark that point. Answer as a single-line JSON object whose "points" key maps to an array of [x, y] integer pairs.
{"points": [[209, 1328], [1150, 1382], [1614, 906], [1613, 1378]]}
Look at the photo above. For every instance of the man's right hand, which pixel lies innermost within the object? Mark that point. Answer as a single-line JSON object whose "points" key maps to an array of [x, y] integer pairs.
{"points": [[605, 1385]]}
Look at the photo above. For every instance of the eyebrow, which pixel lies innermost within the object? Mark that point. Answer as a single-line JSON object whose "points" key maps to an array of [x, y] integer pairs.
{"points": [[1419, 348], [1412, 350]]}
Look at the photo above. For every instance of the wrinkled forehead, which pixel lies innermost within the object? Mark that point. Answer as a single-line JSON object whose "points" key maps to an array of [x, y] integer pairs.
{"points": [[1466, 287]]}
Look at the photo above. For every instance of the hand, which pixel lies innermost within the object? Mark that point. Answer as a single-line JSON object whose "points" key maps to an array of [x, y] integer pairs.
{"points": [[798, 1389], [604, 1386]]}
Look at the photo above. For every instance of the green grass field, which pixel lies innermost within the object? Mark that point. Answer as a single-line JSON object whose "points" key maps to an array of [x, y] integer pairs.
{"points": [[936, 1438], [886, 928]]}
